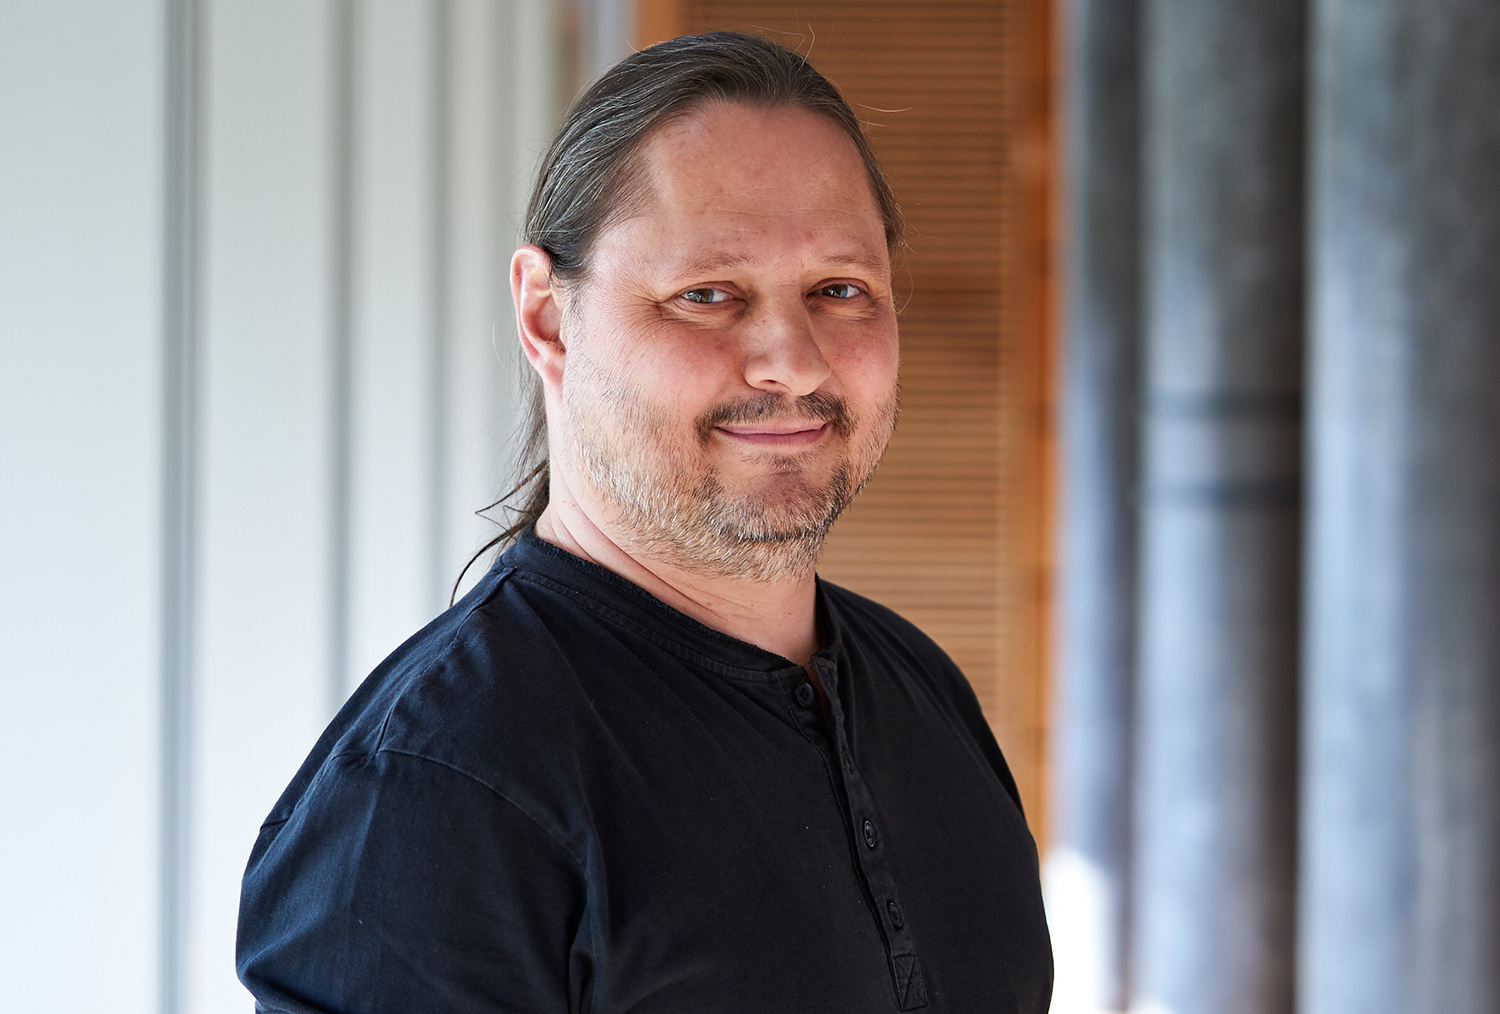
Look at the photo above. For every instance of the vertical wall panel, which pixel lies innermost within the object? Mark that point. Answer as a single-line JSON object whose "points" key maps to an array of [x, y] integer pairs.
{"points": [[536, 105], [262, 686], [474, 306], [81, 115], [1400, 905], [1088, 867], [1216, 773], [604, 35], [481, 368], [456, 100], [182, 193], [392, 586]]}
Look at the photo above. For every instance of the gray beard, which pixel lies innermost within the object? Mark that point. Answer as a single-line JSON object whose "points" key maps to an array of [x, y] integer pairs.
{"points": [[691, 521]]}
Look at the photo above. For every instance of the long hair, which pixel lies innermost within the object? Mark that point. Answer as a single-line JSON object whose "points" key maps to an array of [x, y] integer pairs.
{"points": [[590, 176]]}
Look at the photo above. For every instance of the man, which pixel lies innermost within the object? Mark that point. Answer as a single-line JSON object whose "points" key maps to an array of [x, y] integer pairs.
{"points": [[650, 763]]}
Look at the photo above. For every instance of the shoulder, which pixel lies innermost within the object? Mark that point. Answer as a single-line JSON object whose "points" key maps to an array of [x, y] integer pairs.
{"points": [[475, 694], [386, 853]]}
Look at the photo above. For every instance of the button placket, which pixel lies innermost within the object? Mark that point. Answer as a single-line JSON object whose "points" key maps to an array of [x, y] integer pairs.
{"points": [[906, 970]]}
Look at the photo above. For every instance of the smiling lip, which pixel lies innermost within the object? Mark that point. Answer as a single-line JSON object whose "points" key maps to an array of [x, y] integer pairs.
{"points": [[768, 434]]}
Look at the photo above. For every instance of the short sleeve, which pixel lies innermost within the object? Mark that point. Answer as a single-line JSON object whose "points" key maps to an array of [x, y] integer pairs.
{"points": [[399, 884]]}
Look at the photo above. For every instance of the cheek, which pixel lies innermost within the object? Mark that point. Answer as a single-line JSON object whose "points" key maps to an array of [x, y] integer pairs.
{"points": [[692, 369], [866, 363], [678, 376]]}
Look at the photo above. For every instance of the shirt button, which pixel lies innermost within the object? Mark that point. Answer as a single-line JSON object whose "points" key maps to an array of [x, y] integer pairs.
{"points": [[895, 911], [806, 694], [870, 833]]}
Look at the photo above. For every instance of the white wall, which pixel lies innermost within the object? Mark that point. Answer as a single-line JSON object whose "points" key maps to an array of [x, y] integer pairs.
{"points": [[80, 349], [363, 166]]}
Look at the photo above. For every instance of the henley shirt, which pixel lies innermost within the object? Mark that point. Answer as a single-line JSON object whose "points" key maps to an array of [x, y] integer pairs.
{"points": [[564, 795]]}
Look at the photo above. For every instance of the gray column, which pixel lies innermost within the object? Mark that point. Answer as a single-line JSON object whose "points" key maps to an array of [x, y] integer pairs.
{"points": [[1401, 889], [1087, 870], [1217, 710]]}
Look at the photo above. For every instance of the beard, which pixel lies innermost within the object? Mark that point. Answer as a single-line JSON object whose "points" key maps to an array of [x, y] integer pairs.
{"points": [[675, 505]]}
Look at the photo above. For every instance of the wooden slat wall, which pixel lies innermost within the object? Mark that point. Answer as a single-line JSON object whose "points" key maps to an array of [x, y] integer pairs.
{"points": [[952, 532]]}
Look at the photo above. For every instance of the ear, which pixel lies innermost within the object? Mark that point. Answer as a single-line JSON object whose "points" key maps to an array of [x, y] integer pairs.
{"points": [[539, 313]]}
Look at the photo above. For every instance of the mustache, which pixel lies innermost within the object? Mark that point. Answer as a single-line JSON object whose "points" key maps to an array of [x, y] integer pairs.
{"points": [[815, 407]]}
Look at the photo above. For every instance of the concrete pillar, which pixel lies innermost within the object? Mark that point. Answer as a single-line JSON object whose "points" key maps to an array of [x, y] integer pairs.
{"points": [[1217, 711], [1400, 905], [1087, 868]]}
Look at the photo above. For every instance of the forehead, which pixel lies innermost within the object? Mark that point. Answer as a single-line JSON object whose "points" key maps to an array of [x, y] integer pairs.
{"points": [[746, 180]]}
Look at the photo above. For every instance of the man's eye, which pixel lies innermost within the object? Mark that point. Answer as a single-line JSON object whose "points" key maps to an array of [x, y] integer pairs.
{"points": [[840, 290], [705, 295]]}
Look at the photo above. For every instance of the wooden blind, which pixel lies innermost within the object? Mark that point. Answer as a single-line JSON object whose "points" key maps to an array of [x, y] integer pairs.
{"points": [[952, 532]]}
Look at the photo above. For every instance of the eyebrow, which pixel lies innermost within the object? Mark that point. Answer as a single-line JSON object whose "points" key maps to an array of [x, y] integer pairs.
{"points": [[726, 259], [860, 260], [714, 262]]}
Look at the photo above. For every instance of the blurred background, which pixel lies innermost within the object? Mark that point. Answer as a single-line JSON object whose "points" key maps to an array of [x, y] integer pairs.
{"points": [[1197, 477]]}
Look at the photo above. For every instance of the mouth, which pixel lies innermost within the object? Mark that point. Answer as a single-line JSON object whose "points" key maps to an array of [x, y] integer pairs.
{"points": [[777, 434]]}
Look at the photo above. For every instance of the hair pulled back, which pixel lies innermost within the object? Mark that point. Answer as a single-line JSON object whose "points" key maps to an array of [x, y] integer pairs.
{"points": [[590, 173]]}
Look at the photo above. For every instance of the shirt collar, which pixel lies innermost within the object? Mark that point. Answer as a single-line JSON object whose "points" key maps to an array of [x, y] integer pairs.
{"points": [[611, 592]]}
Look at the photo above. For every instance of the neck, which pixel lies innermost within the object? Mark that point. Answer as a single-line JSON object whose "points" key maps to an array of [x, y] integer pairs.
{"points": [[779, 616]]}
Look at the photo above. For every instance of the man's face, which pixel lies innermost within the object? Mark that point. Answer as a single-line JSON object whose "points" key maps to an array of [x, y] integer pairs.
{"points": [[730, 376]]}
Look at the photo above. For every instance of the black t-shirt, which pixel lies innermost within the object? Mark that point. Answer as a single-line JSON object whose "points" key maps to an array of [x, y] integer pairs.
{"points": [[563, 795]]}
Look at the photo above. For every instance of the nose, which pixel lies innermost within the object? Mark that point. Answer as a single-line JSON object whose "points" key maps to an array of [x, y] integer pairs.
{"points": [[782, 351]]}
